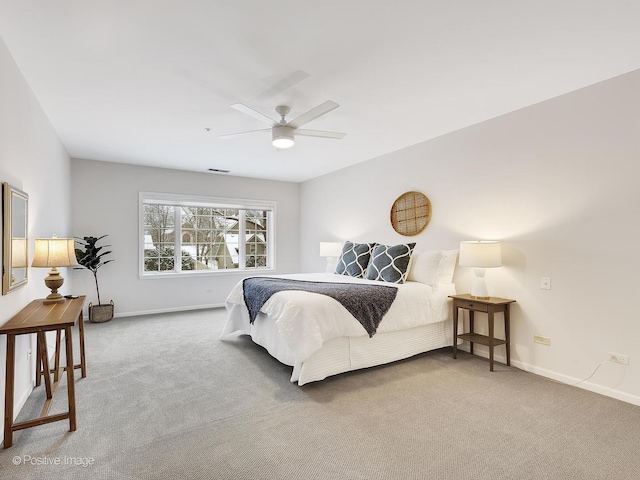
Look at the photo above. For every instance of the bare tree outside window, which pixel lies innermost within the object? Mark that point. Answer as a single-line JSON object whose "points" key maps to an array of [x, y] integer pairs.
{"points": [[158, 237], [207, 229], [256, 238]]}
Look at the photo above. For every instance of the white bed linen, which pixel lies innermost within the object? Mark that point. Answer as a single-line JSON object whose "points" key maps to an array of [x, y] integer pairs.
{"points": [[306, 321], [353, 353]]}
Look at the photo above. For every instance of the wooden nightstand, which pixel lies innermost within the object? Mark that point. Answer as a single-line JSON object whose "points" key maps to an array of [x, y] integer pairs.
{"points": [[490, 306]]}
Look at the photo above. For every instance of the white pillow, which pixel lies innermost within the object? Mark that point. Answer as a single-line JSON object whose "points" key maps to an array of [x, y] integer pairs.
{"points": [[425, 267], [447, 265]]}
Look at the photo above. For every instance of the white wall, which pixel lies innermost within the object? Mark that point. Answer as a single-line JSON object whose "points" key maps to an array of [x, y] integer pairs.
{"points": [[556, 182], [105, 201], [32, 159]]}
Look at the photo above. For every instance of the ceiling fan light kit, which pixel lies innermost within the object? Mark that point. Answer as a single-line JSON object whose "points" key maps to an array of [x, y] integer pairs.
{"points": [[283, 132], [282, 136]]}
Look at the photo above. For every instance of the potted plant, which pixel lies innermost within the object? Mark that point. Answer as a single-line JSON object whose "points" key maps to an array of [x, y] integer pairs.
{"points": [[91, 257]]}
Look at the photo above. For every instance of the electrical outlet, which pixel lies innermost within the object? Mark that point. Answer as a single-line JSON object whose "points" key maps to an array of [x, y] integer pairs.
{"points": [[542, 340], [545, 283], [619, 358]]}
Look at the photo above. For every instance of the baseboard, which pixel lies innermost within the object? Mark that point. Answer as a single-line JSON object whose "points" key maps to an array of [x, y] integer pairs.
{"points": [[168, 310], [561, 378], [573, 381]]}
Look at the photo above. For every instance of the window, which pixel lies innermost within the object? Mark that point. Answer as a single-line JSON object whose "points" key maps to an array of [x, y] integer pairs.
{"points": [[186, 234]]}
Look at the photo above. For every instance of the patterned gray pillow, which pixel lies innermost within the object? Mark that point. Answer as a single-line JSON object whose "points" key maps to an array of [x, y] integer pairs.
{"points": [[390, 263], [354, 259]]}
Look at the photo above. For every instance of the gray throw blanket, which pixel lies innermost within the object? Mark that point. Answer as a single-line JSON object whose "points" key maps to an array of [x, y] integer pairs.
{"points": [[367, 303]]}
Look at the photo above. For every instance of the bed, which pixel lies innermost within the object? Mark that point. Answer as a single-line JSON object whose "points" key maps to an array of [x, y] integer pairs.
{"points": [[318, 337]]}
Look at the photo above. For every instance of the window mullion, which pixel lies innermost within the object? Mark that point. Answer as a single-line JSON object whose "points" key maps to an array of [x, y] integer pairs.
{"points": [[242, 239], [177, 239]]}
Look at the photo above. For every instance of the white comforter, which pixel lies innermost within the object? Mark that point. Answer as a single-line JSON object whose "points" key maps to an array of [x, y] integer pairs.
{"points": [[306, 320]]}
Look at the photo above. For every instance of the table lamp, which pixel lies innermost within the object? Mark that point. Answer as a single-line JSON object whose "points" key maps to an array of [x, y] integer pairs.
{"points": [[331, 250], [54, 252], [480, 254]]}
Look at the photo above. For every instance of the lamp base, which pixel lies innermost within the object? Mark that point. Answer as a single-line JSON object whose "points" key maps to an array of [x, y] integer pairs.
{"points": [[479, 288], [54, 298], [54, 281], [331, 264]]}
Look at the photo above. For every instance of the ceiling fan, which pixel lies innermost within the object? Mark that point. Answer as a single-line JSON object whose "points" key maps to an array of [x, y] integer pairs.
{"points": [[283, 131]]}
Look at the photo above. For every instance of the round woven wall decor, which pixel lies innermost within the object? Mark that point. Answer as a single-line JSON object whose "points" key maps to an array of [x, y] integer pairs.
{"points": [[410, 213]]}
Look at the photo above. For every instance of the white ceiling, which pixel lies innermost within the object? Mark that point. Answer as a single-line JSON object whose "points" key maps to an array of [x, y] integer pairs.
{"points": [[138, 82]]}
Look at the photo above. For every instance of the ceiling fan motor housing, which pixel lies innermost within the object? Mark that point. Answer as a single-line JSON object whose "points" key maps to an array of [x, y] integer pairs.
{"points": [[282, 136]]}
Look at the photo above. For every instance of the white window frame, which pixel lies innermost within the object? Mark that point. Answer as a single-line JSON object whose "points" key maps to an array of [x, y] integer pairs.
{"points": [[181, 200]]}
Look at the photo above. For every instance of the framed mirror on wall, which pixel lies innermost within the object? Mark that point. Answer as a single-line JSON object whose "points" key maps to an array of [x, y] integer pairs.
{"points": [[15, 238]]}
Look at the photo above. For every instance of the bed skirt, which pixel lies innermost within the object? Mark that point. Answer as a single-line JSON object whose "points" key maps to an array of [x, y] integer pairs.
{"points": [[340, 354]]}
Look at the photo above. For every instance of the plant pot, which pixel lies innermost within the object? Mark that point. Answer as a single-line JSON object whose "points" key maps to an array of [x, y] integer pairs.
{"points": [[100, 313]]}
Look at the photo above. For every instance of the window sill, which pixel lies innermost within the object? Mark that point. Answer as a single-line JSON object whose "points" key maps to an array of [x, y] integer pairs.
{"points": [[204, 273]]}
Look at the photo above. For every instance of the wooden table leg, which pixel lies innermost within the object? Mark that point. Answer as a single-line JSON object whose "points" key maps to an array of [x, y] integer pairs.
{"points": [[71, 391], [471, 329], [491, 339], [8, 390], [43, 352], [38, 364], [507, 333], [455, 330], [56, 363], [83, 363]]}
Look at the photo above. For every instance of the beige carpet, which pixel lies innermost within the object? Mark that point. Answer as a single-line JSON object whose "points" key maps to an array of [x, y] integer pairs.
{"points": [[165, 399]]}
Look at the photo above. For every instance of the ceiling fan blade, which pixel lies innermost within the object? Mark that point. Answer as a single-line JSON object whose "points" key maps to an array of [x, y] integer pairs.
{"points": [[254, 113], [283, 85], [314, 113], [229, 135], [319, 133]]}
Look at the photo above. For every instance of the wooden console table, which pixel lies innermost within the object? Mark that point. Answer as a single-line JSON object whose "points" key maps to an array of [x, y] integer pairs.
{"points": [[39, 318]]}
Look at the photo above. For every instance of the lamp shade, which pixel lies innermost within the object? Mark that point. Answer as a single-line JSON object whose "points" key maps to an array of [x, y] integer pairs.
{"points": [[19, 252], [330, 249], [54, 252], [480, 254]]}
